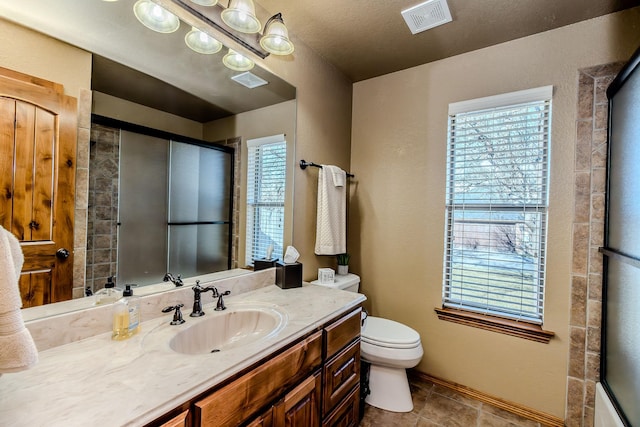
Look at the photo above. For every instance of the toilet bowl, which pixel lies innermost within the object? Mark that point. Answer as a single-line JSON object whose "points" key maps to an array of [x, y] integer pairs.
{"points": [[390, 348]]}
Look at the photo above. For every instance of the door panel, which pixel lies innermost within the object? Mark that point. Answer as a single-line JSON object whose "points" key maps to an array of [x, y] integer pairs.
{"points": [[7, 133], [44, 174], [38, 128]]}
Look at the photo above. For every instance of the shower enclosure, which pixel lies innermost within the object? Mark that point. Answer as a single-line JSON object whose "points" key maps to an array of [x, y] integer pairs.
{"points": [[174, 208]]}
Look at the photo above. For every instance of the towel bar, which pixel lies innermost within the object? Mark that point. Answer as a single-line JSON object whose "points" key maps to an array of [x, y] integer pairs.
{"points": [[304, 164]]}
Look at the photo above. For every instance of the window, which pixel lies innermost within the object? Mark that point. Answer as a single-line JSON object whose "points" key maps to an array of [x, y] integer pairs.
{"points": [[266, 179], [496, 205]]}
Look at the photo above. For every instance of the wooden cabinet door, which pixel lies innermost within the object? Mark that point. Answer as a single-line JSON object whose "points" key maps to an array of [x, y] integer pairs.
{"points": [[264, 420], [38, 128], [301, 406], [180, 420]]}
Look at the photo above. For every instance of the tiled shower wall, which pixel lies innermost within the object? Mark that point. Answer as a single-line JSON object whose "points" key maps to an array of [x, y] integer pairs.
{"points": [[236, 144], [588, 236], [82, 187], [102, 229], [100, 197]]}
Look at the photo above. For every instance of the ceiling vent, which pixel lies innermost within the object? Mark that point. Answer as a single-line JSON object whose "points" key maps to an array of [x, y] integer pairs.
{"points": [[249, 80], [427, 15]]}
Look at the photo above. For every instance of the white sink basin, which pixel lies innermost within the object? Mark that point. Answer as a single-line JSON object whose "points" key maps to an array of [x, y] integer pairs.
{"points": [[229, 329]]}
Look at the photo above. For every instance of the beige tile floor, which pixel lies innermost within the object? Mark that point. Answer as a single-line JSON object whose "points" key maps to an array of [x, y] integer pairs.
{"points": [[434, 405]]}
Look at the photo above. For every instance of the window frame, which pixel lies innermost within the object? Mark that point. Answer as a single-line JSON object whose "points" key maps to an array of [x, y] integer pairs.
{"points": [[253, 206], [486, 317]]}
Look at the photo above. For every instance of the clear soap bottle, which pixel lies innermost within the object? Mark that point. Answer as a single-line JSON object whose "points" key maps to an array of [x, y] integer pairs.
{"points": [[120, 320], [109, 293], [133, 306]]}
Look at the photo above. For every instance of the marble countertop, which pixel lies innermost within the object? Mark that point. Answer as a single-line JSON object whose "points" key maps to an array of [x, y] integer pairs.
{"points": [[133, 382]]}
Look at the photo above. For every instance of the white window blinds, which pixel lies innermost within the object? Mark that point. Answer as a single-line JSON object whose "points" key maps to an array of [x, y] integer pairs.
{"points": [[266, 180], [496, 205]]}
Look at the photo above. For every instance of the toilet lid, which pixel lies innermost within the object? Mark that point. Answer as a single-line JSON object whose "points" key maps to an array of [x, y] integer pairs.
{"points": [[388, 333]]}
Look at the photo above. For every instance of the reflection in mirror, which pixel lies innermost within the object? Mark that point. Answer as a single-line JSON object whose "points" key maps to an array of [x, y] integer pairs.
{"points": [[156, 205], [145, 78]]}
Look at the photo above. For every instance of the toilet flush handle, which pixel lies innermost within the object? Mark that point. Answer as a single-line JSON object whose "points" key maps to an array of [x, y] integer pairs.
{"points": [[363, 316]]}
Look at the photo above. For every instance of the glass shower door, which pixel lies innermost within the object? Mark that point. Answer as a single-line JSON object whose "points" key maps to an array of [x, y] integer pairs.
{"points": [[199, 209]]}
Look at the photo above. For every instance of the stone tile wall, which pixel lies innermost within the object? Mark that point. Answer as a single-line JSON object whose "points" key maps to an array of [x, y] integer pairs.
{"points": [[102, 229], [588, 236], [236, 143], [82, 189]]}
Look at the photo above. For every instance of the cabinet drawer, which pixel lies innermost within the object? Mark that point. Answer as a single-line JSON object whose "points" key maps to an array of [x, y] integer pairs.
{"points": [[236, 402], [342, 332], [340, 376], [347, 413], [177, 421]]}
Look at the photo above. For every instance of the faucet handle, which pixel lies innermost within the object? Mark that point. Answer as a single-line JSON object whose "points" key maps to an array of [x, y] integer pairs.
{"points": [[220, 306], [177, 315]]}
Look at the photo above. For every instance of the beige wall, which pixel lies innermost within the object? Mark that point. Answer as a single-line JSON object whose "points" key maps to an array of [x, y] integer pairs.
{"points": [[32, 53], [274, 120], [396, 231], [323, 135], [130, 112]]}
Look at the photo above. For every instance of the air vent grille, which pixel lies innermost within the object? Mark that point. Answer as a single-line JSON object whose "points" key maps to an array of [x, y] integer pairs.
{"points": [[427, 15], [249, 80]]}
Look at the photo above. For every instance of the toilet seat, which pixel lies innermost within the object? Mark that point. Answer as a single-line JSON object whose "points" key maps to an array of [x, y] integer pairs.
{"points": [[388, 333]]}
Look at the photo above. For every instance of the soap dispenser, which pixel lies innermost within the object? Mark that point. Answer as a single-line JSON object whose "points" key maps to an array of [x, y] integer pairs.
{"points": [[120, 320], [133, 305], [110, 293]]}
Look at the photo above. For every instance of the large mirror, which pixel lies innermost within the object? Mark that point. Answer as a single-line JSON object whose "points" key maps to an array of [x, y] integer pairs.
{"points": [[156, 82]]}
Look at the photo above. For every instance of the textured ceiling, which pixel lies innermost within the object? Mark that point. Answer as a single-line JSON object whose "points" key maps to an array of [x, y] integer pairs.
{"points": [[368, 38], [362, 38]]}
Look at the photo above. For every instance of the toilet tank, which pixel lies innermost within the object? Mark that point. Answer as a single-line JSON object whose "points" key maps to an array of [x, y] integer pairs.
{"points": [[347, 282]]}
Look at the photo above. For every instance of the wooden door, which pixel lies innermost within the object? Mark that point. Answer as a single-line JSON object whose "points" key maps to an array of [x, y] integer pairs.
{"points": [[301, 406], [38, 127]]}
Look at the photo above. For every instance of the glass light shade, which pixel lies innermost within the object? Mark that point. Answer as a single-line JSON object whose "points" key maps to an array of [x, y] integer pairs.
{"points": [[276, 38], [201, 42], [241, 16], [205, 2], [155, 17], [237, 62]]}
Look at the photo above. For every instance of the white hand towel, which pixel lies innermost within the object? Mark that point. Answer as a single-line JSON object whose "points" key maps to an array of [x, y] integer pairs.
{"points": [[331, 218], [17, 349], [339, 176], [11, 260]]}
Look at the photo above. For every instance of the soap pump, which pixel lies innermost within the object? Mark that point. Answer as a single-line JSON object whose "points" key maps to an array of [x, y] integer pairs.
{"points": [[126, 316], [110, 293], [133, 305]]}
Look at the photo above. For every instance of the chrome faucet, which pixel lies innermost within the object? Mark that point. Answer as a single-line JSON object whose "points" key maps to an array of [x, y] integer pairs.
{"points": [[197, 299], [175, 280]]}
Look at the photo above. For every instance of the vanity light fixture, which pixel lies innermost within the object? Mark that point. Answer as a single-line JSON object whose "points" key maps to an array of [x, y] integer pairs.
{"points": [[155, 17], [201, 42], [276, 37], [205, 2], [234, 61], [241, 16]]}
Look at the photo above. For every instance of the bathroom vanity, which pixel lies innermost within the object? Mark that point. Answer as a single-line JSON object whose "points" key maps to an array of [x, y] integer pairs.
{"points": [[305, 372]]}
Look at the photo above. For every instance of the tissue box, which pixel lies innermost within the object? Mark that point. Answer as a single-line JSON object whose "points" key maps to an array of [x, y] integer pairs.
{"points": [[288, 275], [326, 276], [262, 264]]}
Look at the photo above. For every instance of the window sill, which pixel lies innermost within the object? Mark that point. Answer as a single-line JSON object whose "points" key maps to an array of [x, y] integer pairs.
{"points": [[495, 324]]}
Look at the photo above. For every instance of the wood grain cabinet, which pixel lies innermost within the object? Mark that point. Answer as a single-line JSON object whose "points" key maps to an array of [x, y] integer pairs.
{"points": [[180, 420], [314, 382]]}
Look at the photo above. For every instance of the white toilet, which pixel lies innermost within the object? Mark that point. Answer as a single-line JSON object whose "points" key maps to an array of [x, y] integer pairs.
{"points": [[390, 347]]}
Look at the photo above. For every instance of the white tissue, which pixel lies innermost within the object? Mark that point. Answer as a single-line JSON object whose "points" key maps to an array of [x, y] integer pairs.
{"points": [[269, 252], [291, 255]]}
